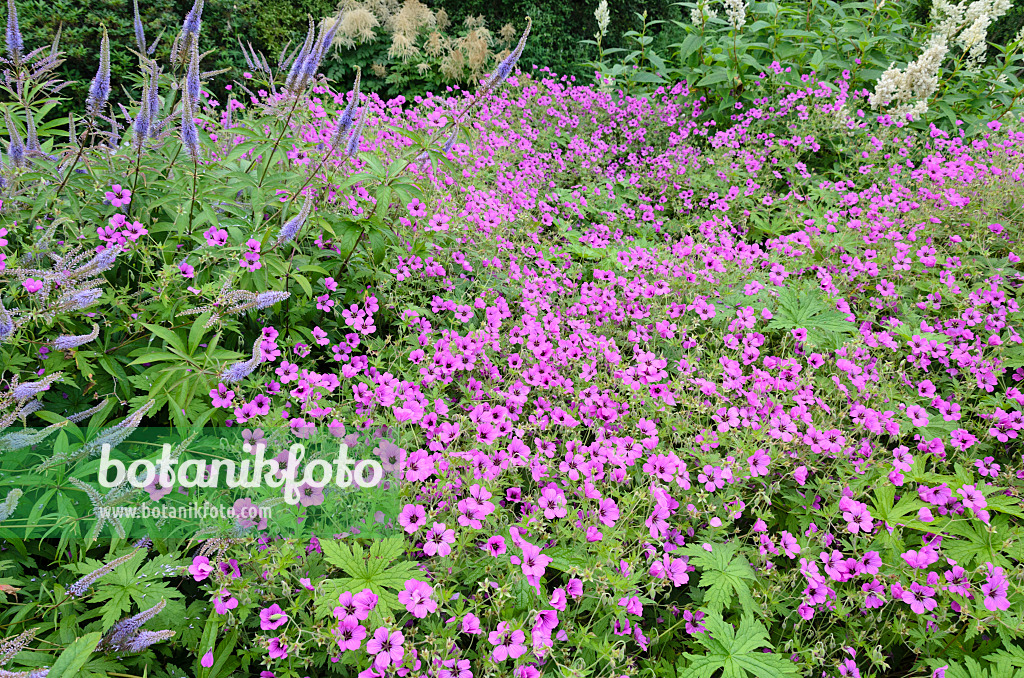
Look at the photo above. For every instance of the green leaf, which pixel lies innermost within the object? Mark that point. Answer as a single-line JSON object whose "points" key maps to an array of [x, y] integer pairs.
{"points": [[71, 660], [714, 78], [725, 574], [167, 335], [304, 284], [736, 652]]}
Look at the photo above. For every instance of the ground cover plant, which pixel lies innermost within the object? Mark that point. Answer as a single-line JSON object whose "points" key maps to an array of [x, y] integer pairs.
{"points": [[657, 395]]}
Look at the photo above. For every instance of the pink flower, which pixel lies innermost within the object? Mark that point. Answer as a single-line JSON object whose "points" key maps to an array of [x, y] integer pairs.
{"points": [[471, 624], [272, 617], [508, 643], [215, 237], [918, 415], [32, 285], [350, 634], [416, 598], [221, 396], [387, 648], [277, 649], [118, 197], [632, 605], [207, 660], [412, 517], [920, 598], [200, 568], [439, 539], [224, 601]]}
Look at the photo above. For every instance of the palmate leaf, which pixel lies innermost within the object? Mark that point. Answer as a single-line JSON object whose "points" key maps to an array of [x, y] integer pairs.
{"points": [[811, 311], [376, 570], [736, 653], [725, 574]]}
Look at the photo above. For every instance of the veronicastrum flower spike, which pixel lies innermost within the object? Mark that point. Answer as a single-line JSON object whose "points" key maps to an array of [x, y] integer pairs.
{"points": [[352, 147], [140, 31], [504, 69], [99, 90], [291, 229], [67, 342], [15, 44], [241, 370], [79, 588], [16, 147], [7, 509]]}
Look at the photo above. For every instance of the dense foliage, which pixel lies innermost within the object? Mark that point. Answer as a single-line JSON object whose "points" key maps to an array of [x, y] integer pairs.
{"points": [[663, 389]]}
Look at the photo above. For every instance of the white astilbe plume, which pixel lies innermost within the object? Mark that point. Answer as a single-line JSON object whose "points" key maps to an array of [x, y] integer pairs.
{"points": [[701, 14], [966, 25], [603, 17], [736, 11], [10, 505], [905, 92]]}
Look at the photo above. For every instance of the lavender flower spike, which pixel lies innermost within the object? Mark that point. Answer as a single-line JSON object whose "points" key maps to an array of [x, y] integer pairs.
{"points": [[352, 147], [189, 133], [140, 32], [347, 117], [189, 31], [30, 389], [99, 90], [295, 81], [7, 325], [153, 109], [241, 370], [66, 342], [504, 69], [124, 632], [15, 45], [291, 229], [143, 639], [34, 673], [12, 646], [79, 588], [192, 83], [450, 144], [118, 433], [16, 147], [140, 126]]}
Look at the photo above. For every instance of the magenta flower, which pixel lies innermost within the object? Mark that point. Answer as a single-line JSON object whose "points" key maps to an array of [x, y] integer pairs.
{"points": [[412, 517], [632, 605], [32, 285], [272, 617], [224, 601], [495, 545], [470, 624], [350, 634], [416, 598], [118, 197], [386, 647], [207, 660], [200, 568], [920, 598], [438, 540], [509, 643], [277, 649]]}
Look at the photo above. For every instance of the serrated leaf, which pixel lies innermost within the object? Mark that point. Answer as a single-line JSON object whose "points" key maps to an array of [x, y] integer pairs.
{"points": [[735, 652], [71, 660], [725, 575]]}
